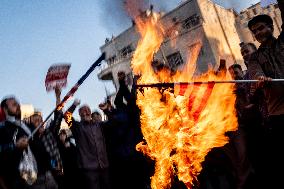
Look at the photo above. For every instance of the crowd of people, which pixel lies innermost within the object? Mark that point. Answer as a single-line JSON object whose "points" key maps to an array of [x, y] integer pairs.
{"points": [[91, 154], [101, 154]]}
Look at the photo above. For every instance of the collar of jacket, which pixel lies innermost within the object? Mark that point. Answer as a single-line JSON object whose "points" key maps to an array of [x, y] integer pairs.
{"points": [[19, 123]]}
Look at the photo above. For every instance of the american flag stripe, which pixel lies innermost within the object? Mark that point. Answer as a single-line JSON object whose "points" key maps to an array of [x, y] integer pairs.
{"points": [[204, 101], [182, 90]]}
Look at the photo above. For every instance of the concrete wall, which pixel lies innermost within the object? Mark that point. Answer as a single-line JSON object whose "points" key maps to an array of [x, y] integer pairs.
{"points": [[220, 29]]}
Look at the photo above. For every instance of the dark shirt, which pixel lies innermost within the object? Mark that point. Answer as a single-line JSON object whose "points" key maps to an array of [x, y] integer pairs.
{"points": [[10, 156], [41, 156], [90, 145], [120, 135], [68, 155], [269, 61]]}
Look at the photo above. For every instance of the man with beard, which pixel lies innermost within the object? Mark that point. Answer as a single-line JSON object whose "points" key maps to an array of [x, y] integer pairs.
{"points": [[91, 149], [46, 153], [267, 63], [13, 140]]}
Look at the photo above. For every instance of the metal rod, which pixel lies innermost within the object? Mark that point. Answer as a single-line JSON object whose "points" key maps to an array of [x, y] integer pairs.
{"points": [[71, 92], [202, 82]]}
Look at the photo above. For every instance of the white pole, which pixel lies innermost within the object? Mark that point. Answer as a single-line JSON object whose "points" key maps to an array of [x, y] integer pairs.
{"points": [[203, 82]]}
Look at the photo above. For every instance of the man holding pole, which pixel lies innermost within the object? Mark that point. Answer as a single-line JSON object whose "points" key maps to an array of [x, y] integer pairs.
{"points": [[266, 64], [13, 141]]}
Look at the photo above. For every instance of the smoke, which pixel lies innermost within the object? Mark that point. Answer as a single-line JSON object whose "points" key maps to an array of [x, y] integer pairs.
{"points": [[115, 18], [113, 15]]}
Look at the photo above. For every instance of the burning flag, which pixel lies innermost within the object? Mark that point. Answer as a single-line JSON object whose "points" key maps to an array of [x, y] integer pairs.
{"points": [[179, 127], [182, 88]]}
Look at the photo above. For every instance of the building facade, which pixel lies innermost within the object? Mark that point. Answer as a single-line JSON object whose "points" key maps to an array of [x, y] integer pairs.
{"points": [[198, 21], [27, 110]]}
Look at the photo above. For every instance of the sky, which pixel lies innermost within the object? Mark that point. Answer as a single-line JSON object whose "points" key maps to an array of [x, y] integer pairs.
{"points": [[35, 34]]}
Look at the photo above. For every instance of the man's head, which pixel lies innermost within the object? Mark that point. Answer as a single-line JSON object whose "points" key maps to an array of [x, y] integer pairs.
{"points": [[261, 27], [11, 107], [247, 49], [236, 71], [96, 117], [85, 113], [36, 120]]}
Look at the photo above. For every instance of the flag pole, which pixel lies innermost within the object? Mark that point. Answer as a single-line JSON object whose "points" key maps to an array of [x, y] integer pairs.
{"points": [[71, 92], [202, 82]]}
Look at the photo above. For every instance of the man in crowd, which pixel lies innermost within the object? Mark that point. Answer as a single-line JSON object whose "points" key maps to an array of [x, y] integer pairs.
{"points": [[255, 114], [67, 148], [122, 130], [237, 146], [46, 153], [91, 149], [96, 117], [71, 177], [13, 140], [267, 63]]}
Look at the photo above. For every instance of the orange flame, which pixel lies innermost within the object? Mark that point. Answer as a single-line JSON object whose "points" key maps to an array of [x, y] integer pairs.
{"points": [[175, 137]]}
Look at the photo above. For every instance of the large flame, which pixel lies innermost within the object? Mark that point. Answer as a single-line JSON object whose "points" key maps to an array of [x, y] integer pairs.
{"points": [[179, 128]]}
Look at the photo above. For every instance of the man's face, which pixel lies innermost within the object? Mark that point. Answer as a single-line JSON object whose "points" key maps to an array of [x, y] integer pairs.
{"points": [[236, 73], [85, 114], [247, 51], [36, 121], [96, 117], [262, 32], [13, 108]]}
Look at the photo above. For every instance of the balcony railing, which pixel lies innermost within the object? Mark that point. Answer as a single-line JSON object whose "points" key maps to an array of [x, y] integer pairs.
{"points": [[117, 60]]}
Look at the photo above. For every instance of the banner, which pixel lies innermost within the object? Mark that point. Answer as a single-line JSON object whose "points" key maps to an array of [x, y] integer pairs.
{"points": [[57, 76], [265, 3]]}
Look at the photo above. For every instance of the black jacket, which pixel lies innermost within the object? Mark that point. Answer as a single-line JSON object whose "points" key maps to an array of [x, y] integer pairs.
{"points": [[10, 156]]}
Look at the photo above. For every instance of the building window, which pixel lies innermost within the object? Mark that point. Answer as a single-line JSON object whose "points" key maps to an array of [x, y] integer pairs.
{"points": [[111, 60], [126, 51], [254, 11], [175, 60], [248, 15], [191, 21]]}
